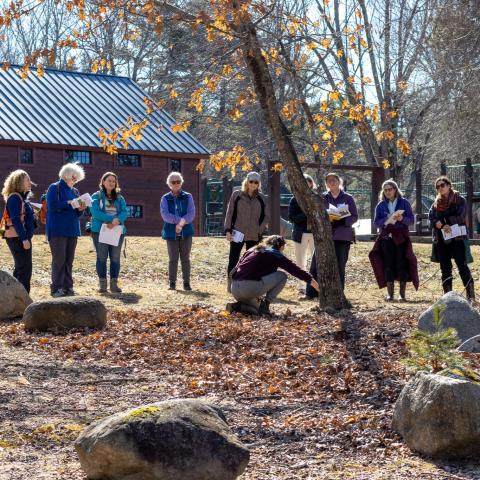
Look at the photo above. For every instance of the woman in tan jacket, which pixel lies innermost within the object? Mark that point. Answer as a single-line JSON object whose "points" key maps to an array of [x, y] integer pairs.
{"points": [[246, 219]]}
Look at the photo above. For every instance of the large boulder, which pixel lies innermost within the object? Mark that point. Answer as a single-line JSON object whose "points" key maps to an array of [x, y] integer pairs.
{"points": [[457, 313], [15, 298], [439, 414], [172, 440], [65, 313], [472, 345]]}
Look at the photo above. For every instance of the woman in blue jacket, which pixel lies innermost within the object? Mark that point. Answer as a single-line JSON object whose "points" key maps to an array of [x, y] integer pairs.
{"points": [[109, 208], [63, 227], [393, 215], [19, 224], [178, 211]]}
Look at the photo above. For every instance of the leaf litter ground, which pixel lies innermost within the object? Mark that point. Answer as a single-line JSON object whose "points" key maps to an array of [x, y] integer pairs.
{"points": [[311, 394]]}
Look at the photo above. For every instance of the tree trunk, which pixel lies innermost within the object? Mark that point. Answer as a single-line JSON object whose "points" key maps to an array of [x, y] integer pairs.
{"points": [[331, 293]]}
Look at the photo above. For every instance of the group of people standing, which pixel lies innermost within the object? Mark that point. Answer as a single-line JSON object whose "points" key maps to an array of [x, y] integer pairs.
{"points": [[254, 281], [62, 225], [253, 278]]}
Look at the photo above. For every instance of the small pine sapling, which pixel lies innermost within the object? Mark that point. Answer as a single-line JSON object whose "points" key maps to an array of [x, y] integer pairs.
{"points": [[433, 351]]}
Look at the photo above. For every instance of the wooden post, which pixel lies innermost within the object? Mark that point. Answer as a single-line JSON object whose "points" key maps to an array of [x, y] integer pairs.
{"points": [[469, 195], [227, 189], [443, 168], [274, 198], [378, 177], [203, 217]]}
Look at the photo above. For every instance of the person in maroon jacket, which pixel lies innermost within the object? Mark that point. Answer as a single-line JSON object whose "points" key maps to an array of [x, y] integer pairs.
{"points": [[256, 276]]}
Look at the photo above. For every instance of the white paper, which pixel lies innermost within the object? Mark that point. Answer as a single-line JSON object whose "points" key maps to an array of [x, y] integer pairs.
{"points": [[456, 231], [110, 236], [85, 198], [38, 206], [390, 220], [341, 210], [237, 236]]}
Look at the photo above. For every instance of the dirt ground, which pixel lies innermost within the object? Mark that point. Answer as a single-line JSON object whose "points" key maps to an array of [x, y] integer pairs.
{"points": [[310, 394]]}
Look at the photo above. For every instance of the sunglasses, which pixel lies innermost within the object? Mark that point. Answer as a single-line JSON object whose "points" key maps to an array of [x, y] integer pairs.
{"points": [[440, 185], [389, 189], [175, 182], [253, 181]]}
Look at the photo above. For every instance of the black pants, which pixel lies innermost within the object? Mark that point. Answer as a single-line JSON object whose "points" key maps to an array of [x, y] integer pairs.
{"points": [[394, 260], [342, 249], [235, 251], [22, 259], [453, 250], [63, 254]]}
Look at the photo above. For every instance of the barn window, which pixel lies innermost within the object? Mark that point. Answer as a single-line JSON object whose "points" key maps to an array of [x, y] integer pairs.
{"points": [[26, 155], [135, 211], [175, 165], [128, 160], [78, 156]]}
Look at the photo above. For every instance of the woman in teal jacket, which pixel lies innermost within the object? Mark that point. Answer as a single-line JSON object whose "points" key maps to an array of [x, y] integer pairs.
{"points": [[108, 207]]}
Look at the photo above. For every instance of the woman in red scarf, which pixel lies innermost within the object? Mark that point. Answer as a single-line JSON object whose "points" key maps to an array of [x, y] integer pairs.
{"points": [[448, 209]]}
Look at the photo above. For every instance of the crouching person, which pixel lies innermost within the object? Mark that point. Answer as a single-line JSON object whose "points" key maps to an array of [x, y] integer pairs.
{"points": [[256, 281]]}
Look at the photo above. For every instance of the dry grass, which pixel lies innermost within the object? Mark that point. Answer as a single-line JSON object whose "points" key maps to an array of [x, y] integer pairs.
{"points": [[144, 276]]}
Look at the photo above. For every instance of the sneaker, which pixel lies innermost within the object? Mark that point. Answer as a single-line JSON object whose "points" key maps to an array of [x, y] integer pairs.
{"points": [[172, 286], [58, 293], [187, 287]]}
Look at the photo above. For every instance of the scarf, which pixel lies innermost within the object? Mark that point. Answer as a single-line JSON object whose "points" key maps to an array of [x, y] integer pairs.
{"points": [[443, 203]]}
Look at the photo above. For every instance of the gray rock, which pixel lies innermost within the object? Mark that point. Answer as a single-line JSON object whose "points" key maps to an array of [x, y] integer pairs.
{"points": [[172, 440], [439, 416], [65, 313], [15, 298], [472, 345], [458, 314]]}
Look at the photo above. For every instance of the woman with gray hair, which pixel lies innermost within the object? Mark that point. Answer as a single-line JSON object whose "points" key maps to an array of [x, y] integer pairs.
{"points": [[178, 211], [63, 227]]}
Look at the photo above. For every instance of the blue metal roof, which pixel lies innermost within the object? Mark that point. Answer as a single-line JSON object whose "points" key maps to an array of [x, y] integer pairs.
{"points": [[69, 108]]}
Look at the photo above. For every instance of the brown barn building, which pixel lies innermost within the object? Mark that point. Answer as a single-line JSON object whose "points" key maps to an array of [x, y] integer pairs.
{"points": [[49, 120]]}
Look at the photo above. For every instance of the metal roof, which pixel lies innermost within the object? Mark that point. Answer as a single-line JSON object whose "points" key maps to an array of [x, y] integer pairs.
{"points": [[69, 108]]}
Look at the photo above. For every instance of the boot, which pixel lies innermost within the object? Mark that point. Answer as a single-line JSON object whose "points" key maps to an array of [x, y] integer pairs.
{"points": [[447, 286], [102, 285], [390, 291], [403, 287], [233, 307], [114, 288], [264, 308], [471, 292]]}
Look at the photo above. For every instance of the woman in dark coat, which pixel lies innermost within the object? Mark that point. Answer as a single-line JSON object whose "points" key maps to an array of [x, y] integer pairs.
{"points": [[392, 256], [449, 209]]}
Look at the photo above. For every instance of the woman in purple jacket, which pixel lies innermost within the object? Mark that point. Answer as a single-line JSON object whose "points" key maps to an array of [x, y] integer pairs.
{"points": [[393, 215], [342, 232]]}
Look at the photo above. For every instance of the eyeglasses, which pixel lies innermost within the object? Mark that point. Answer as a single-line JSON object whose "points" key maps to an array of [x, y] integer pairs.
{"points": [[253, 181], [440, 185], [175, 182]]}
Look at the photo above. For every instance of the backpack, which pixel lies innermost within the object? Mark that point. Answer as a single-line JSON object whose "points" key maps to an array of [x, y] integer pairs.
{"points": [[7, 230]]}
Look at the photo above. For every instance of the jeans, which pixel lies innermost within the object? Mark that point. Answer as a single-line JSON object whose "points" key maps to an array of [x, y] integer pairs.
{"points": [[248, 291], [179, 248], [105, 251], [235, 251], [394, 260], [22, 259], [63, 254], [453, 250]]}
